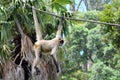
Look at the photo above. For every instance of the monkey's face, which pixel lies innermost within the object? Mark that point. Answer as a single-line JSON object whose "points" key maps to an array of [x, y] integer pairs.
{"points": [[61, 42]]}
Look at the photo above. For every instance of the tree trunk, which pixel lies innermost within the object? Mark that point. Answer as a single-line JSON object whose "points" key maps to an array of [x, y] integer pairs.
{"points": [[13, 71], [47, 71], [18, 69]]}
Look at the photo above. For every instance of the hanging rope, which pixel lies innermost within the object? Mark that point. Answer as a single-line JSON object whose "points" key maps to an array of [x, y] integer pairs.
{"points": [[68, 18]]}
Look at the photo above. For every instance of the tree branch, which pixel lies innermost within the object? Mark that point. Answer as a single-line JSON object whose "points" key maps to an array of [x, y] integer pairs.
{"points": [[78, 5], [18, 25]]}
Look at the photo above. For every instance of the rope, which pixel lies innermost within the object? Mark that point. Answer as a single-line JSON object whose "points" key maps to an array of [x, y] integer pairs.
{"points": [[68, 18]]}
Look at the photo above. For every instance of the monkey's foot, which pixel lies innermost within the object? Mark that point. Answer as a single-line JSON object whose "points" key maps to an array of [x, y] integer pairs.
{"points": [[57, 70], [40, 55], [36, 71]]}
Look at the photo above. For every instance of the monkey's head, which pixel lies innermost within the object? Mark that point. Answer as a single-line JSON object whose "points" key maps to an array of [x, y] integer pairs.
{"points": [[61, 42]]}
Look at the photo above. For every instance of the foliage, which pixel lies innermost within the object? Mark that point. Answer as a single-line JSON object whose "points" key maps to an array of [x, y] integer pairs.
{"points": [[111, 13], [100, 71], [80, 45], [85, 48]]}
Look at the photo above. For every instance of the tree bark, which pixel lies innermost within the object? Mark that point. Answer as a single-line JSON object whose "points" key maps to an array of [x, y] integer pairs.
{"points": [[12, 71], [47, 71]]}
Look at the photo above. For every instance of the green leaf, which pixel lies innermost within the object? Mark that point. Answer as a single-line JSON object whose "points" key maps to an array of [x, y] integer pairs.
{"points": [[58, 7], [63, 1]]}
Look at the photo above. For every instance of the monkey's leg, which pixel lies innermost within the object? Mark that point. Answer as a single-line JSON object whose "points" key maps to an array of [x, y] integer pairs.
{"points": [[35, 70], [55, 62]]}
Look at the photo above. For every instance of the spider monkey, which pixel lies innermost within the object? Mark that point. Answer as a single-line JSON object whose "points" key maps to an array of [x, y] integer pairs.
{"points": [[42, 46]]}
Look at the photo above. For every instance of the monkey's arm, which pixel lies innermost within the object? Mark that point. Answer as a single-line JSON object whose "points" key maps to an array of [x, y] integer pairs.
{"points": [[58, 34], [37, 25]]}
